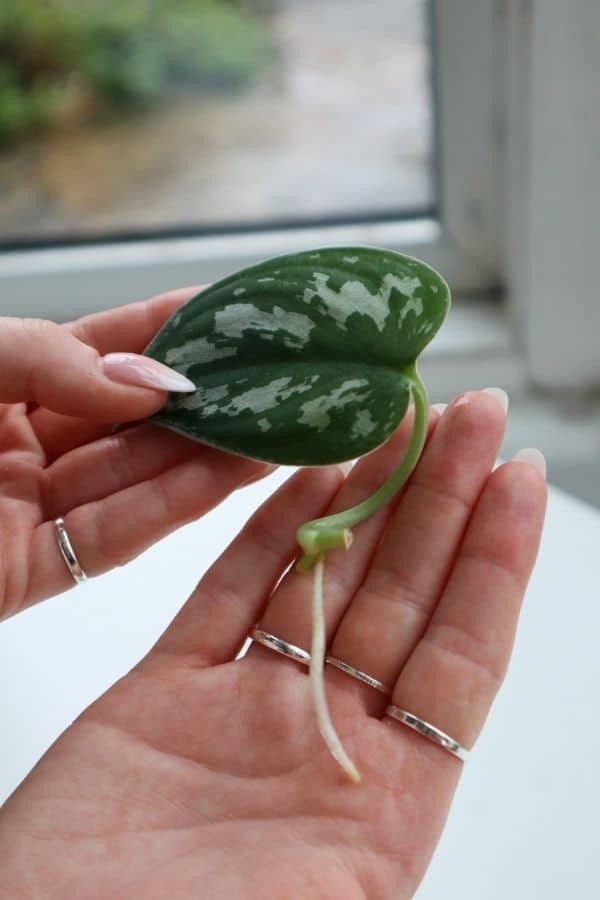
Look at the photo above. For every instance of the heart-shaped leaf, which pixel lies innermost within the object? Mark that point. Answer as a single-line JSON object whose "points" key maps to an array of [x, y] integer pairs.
{"points": [[305, 359]]}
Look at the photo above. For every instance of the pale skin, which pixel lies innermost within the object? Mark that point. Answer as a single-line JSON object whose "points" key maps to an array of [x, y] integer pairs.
{"points": [[202, 776]]}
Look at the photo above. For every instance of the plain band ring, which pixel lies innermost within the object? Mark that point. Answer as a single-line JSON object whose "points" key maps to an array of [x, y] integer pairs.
{"points": [[67, 552], [427, 730], [360, 676], [279, 645]]}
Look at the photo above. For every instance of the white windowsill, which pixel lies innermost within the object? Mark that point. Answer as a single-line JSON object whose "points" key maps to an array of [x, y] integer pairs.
{"points": [[209, 249], [475, 348], [65, 282]]}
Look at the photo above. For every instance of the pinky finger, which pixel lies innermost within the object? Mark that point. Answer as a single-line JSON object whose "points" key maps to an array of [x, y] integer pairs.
{"points": [[455, 670]]}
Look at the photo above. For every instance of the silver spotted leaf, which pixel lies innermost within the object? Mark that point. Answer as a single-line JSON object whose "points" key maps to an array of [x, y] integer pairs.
{"points": [[304, 359]]}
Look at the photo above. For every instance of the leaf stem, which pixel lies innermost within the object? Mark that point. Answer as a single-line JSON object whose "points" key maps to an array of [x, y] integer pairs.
{"points": [[320, 535], [317, 680]]}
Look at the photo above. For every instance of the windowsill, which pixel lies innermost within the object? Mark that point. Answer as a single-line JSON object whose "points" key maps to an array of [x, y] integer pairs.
{"points": [[475, 324], [211, 251], [65, 282], [475, 348]]}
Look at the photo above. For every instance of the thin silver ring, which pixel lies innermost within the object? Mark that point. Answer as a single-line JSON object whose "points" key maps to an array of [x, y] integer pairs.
{"points": [[279, 645], [360, 676], [68, 554], [428, 731]]}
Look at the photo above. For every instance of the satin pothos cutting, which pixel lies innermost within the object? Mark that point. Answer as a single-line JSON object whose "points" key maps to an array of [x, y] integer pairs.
{"points": [[307, 360]]}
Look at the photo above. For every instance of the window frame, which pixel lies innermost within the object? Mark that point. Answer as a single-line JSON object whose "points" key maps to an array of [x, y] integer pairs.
{"points": [[553, 184]]}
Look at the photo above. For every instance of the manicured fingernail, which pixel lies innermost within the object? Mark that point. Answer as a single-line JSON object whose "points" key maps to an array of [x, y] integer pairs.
{"points": [[500, 395], [439, 407], [533, 457], [142, 371], [346, 467]]}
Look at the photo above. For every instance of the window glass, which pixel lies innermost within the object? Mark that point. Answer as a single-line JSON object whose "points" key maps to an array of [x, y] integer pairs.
{"points": [[160, 115]]}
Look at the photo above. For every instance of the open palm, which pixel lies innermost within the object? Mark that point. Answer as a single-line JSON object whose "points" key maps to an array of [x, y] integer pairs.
{"points": [[202, 776]]}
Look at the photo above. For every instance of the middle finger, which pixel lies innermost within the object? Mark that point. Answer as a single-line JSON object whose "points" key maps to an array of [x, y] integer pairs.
{"points": [[127, 328], [113, 463]]}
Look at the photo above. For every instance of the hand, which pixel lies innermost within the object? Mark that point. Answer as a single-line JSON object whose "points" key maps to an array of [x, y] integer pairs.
{"points": [[198, 776], [61, 388]]}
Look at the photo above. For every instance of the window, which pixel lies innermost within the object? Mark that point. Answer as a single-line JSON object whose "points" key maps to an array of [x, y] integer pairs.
{"points": [[355, 146], [173, 117]]}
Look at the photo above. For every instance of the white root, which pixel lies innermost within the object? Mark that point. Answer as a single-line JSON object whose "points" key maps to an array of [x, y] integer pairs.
{"points": [[317, 680]]}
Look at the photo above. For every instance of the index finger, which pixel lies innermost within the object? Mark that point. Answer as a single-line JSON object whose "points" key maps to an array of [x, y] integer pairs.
{"points": [[130, 328], [125, 328]]}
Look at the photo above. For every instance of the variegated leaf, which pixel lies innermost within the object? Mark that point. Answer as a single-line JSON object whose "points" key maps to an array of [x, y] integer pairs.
{"points": [[303, 359]]}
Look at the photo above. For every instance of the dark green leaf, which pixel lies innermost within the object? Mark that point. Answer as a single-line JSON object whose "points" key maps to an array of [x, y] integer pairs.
{"points": [[303, 359]]}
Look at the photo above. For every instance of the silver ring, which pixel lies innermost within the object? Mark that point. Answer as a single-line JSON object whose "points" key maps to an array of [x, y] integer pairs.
{"points": [[427, 730], [280, 646], [360, 676], [68, 554]]}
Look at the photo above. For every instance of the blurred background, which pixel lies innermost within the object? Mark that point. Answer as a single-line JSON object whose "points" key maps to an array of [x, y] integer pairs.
{"points": [[167, 114]]}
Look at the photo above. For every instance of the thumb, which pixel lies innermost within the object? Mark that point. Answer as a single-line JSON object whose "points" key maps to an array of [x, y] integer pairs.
{"points": [[43, 362]]}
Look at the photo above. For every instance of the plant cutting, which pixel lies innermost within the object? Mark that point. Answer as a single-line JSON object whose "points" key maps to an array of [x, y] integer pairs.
{"points": [[309, 359]]}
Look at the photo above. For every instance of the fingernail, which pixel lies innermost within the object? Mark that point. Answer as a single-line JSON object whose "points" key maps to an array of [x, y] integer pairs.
{"points": [[142, 371], [345, 467], [439, 407], [533, 457], [500, 395]]}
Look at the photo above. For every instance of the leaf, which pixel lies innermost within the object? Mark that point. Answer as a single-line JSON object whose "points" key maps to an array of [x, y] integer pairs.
{"points": [[305, 359]]}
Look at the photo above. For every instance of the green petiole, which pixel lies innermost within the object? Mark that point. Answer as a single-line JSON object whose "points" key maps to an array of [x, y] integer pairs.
{"points": [[321, 535]]}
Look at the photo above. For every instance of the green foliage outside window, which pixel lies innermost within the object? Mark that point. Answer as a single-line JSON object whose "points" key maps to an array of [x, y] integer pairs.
{"points": [[64, 60]]}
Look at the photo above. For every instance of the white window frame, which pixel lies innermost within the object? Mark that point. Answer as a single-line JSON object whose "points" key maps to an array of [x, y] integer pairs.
{"points": [[553, 189], [503, 223]]}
